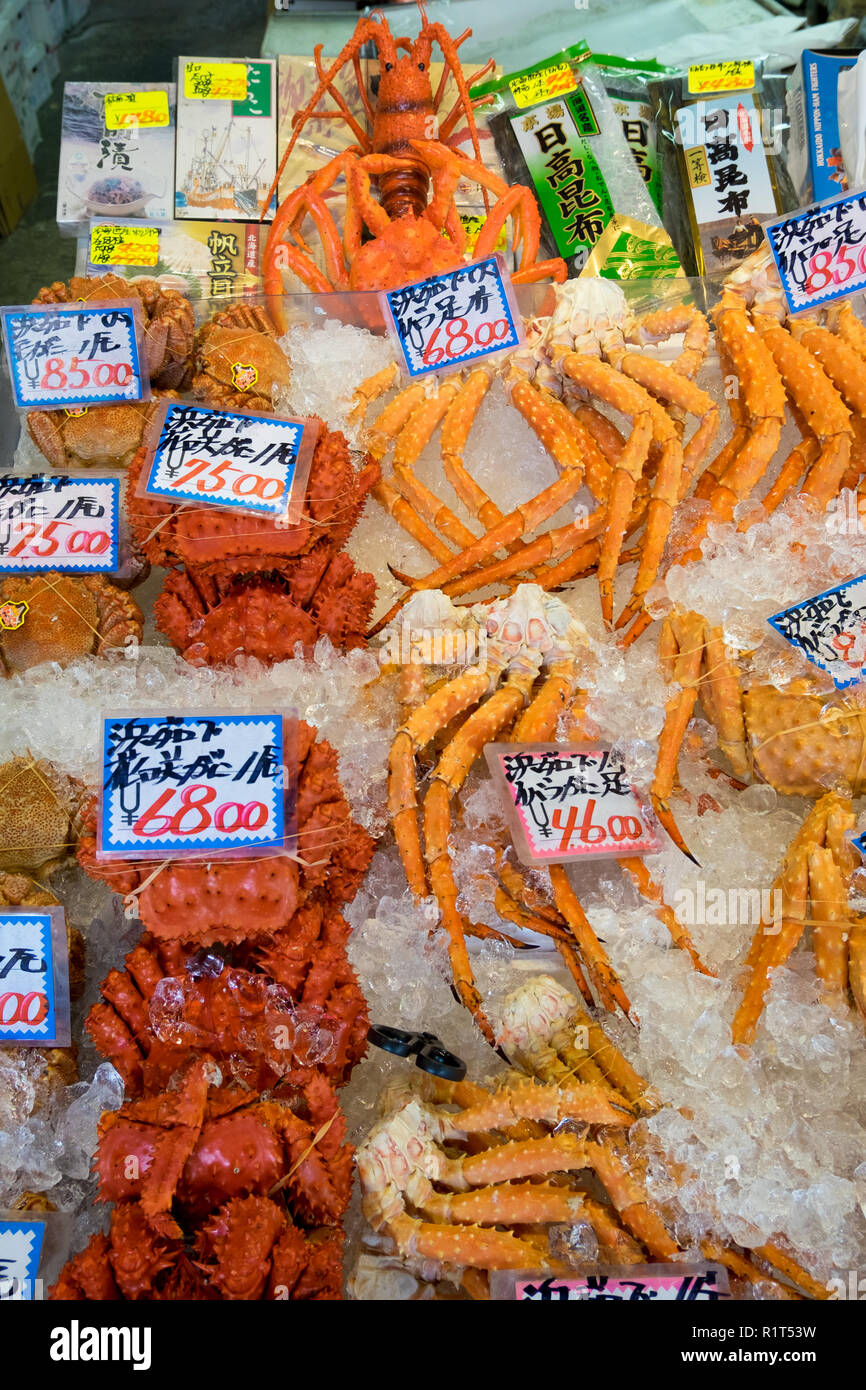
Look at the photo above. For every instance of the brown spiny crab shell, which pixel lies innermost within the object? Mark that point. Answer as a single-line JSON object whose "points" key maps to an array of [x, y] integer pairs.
{"points": [[805, 742], [97, 436], [63, 617], [238, 362], [39, 822]]}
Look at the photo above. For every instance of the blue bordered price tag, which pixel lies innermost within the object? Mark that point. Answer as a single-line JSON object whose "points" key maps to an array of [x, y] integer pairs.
{"points": [[830, 630], [58, 523], [444, 322], [21, 1242], [185, 784], [63, 355], [34, 978], [820, 252], [250, 463], [569, 803]]}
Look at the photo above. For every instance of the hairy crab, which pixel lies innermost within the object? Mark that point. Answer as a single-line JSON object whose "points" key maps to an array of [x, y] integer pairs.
{"points": [[94, 436], [169, 320], [39, 817], [62, 617], [238, 362]]}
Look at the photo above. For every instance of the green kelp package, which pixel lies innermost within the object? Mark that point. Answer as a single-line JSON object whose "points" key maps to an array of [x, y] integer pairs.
{"points": [[627, 83], [556, 130], [722, 129]]}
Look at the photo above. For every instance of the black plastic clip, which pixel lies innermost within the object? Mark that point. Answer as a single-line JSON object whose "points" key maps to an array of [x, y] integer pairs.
{"points": [[430, 1055]]}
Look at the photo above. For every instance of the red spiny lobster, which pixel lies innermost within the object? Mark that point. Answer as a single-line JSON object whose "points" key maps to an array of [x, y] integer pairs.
{"points": [[414, 228]]}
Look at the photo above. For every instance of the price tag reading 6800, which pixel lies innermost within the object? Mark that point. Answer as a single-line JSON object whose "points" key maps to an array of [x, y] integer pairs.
{"points": [[454, 318]]}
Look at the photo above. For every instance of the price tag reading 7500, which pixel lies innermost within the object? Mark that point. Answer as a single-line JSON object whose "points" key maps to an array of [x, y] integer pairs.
{"points": [[189, 784], [57, 523], [820, 252], [453, 318], [61, 356]]}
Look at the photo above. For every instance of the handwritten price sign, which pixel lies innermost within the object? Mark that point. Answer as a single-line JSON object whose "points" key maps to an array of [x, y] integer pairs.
{"points": [[252, 463], [57, 523], [116, 244], [830, 630], [454, 318], [215, 81], [124, 109], [530, 88], [61, 356], [21, 1240], [569, 803], [34, 978], [820, 253], [721, 77], [191, 783], [640, 1284]]}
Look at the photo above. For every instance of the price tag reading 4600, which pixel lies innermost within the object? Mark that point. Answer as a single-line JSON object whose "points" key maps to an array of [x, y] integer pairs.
{"points": [[186, 784], [820, 252], [454, 318], [58, 524], [254, 463], [62, 356], [569, 803]]}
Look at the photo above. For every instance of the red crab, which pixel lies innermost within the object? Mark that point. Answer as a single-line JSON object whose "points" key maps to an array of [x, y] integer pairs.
{"points": [[246, 586], [247, 899], [184, 1152], [306, 1010], [249, 1249]]}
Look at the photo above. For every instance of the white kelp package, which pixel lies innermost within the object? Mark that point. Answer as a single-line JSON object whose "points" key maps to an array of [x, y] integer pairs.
{"points": [[722, 129], [556, 130], [627, 83]]}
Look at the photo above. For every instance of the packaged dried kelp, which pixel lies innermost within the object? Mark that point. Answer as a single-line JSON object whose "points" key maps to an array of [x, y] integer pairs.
{"points": [[627, 83], [556, 130], [722, 129]]}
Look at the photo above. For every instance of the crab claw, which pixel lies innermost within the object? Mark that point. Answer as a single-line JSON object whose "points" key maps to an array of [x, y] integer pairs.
{"points": [[665, 817]]}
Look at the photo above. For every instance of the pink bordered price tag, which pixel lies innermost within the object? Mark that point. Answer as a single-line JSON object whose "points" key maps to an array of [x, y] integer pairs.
{"points": [[820, 252], [662, 1283], [568, 803], [236, 460], [34, 978], [63, 355], [448, 320], [191, 784], [58, 523], [830, 630]]}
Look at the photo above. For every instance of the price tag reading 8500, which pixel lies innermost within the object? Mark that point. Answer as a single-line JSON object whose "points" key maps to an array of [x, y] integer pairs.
{"points": [[189, 784], [62, 356], [454, 318], [820, 252]]}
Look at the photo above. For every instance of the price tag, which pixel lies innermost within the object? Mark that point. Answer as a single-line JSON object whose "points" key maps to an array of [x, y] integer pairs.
{"points": [[820, 252], [187, 784], [251, 463], [123, 244], [830, 630], [58, 523], [472, 225], [21, 1241], [34, 978], [569, 803], [135, 109], [61, 356], [215, 81], [639, 1284], [530, 88], [454, 318], [721, 77]]}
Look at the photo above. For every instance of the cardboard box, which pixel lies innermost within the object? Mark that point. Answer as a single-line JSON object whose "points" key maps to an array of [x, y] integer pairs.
{"points": [[17, 179], [815, 161], [226, 154]]}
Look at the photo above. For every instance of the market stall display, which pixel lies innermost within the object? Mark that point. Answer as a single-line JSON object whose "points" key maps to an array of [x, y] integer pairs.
{"points": [[462, 636]]}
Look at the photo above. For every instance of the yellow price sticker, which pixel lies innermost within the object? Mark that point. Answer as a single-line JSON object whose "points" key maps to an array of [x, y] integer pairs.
{"points": [[135, 109], [532, 87], [215, 81], [116, 244], [699, 169], [472, 225], [721, 77]]}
